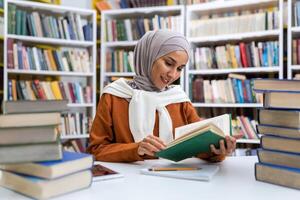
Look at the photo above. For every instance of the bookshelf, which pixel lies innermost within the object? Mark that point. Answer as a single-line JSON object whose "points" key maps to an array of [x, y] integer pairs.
{"points": [[293, 35], [139, 20], [233, 31], [73, 52]]}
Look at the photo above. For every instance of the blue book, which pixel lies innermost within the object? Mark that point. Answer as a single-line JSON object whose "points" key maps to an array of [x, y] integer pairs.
{"points": [[279, 175], [279, 158], [71, 162], [39, 188]]}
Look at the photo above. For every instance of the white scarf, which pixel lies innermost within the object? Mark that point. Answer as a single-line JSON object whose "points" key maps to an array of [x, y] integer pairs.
{"points": [[142, 108]]}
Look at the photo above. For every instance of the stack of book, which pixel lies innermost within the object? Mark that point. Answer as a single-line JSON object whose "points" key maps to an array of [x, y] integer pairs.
{"points": [[279, 125], [29, 131], [42, 180]]}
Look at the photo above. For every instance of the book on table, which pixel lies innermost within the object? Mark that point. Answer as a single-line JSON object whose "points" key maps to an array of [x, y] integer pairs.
{"points": [[195, 138], [40, 188], [279, 175], [71, 162]]}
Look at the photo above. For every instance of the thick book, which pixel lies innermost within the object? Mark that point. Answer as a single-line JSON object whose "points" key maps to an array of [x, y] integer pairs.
{"points": [[101, 173], [279, 118], [30, 152], [200, 173], [279, 158], [71, 162], [28, 120], [36, 106], [280, 143], [195, 138], [278, 175], [278, 131], [25, 135], [284, 100], [39, 188], [265, 85]]}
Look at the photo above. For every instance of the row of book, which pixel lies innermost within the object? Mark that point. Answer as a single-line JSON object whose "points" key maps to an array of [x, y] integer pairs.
{"points": [[279, 125], [24, 57], [119, 61], [75, 124], [231, 90], [134, 29], [33, 23], [74, 92], [242, 55], [230, 23], [245, 126]]}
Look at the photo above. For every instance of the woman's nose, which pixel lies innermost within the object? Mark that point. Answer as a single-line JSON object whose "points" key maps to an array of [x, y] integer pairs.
{"points": [[172, 73]]}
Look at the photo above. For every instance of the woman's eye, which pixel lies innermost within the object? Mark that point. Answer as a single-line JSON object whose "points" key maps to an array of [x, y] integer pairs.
{"points": [[179, 69], [168, 63]]}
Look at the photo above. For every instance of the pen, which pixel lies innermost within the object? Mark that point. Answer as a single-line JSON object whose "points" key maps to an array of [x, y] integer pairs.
{"points": [[173, 169]]}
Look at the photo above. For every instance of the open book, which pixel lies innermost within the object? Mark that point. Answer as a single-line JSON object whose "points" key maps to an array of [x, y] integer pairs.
{"points": [[195, 138]]}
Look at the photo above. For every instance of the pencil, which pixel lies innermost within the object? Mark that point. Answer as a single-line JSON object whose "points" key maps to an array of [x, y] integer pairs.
{"points": [[174, 169]]}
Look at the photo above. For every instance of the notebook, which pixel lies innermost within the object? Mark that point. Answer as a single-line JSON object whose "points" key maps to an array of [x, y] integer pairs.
{"points": [[203, 172]]}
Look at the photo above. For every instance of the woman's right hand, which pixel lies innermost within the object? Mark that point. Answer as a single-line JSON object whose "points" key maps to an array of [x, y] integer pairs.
{"points": [[150, 145]]}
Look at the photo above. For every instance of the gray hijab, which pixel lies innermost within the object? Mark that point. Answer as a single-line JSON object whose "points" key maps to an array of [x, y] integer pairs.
{"points": [[153, 45]]}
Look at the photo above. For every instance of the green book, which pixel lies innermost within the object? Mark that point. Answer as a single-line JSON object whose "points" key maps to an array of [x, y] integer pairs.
{"points": [[196, 138]]}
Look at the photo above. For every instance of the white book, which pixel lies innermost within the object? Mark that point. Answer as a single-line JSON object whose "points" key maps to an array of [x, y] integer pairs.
{"points": [[203, 172]]}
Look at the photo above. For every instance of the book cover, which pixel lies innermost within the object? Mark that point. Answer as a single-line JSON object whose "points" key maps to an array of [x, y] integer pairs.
{"points": [[199, 173], [195, 138], [101, 173], [71, 162]]}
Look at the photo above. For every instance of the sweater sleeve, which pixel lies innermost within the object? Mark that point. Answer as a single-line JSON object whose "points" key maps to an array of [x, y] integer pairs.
{"points": [[192, 117], [102, 137]]}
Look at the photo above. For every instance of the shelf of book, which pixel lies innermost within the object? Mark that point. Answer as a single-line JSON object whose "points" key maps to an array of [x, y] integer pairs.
{"points": [[52, 41], [231, 37], [132, 24], [228, 105], [267, 34], [48, 73], [65, 63], [235, 70]]}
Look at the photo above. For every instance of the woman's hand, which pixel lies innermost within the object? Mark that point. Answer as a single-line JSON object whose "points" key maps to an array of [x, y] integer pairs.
{"points": [[230, 143], [150, 145]]}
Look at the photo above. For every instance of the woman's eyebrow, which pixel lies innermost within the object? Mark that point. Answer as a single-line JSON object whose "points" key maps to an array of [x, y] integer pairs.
{"points": [[169, 57]]}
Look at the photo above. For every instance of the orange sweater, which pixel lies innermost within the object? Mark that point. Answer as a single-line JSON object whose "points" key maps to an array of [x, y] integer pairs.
{"points": [[111, 139]]}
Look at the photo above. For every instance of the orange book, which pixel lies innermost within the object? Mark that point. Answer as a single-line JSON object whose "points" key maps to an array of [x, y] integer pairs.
{"points": [[102, 5]]}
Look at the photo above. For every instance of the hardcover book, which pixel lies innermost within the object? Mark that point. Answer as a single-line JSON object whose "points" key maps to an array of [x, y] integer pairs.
{"points": [[280, 143], [195, 138], [71, 162], [285, 176], [265, 85]]}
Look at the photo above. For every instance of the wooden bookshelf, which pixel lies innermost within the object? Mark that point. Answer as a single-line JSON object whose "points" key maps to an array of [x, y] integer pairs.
{"points": [[132, 14], [195, 16], [86, 78]]}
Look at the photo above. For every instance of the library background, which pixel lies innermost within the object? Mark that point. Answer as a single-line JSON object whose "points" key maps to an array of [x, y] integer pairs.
{"points": [[47, 56]]}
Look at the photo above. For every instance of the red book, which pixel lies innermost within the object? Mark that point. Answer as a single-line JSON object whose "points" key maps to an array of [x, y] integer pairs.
{"points": [[10, 53], [40, 90], [73, 98], [243, 54]]}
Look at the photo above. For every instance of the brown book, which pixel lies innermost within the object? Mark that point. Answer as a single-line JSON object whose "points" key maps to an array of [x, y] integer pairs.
{"points": [[280, 144], [287, 100], [280, 118]]}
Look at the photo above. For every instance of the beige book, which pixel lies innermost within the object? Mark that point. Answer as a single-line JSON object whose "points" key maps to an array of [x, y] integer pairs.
{"points": [[283, 118]]}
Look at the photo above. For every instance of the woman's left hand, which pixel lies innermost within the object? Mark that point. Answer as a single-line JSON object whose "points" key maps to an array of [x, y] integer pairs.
{"points": [[230, 145]]}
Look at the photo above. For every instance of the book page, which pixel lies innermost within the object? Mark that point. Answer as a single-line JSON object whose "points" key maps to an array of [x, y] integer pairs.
{"points": [[222, 122]]}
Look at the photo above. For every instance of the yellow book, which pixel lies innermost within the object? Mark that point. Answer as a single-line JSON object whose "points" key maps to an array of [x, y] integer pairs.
{"points": [[56, 90]]}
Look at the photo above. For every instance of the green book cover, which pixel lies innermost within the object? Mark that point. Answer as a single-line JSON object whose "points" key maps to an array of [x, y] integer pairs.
{"points": [[197, 137]]}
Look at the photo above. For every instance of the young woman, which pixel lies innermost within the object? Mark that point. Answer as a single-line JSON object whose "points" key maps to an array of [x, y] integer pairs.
{"points": [[137, 118]]}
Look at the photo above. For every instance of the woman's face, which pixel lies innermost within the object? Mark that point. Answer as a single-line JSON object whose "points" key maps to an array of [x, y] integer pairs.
{"points": [[167, 69]]}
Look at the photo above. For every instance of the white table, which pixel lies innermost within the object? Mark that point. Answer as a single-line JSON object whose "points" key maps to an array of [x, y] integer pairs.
{"points": [[235, 180]]}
